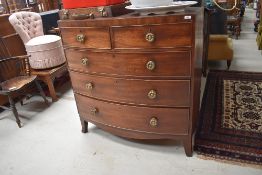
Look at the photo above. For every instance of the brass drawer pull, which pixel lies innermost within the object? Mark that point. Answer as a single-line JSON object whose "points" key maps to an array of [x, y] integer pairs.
{"points": [[89, 86], [82, 16], [80, 38], [94, 111], [152, 94], [85, 61], [150, 65], [150, 37], [102, 11], [91, 16], [153, 122], [65, 14]]}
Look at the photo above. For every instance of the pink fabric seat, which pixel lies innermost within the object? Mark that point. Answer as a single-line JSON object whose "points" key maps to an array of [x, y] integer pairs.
{"points": [[46, 51], [41, 46]]}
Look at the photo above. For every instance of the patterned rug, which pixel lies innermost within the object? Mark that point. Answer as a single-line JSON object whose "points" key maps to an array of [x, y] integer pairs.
{"points": [[230, 124]]}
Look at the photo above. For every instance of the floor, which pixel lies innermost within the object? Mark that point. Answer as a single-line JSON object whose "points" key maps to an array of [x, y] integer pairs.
{"points": [[246, 55], [51, 142]]}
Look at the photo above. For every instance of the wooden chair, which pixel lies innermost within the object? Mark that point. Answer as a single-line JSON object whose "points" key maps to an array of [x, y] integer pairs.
{"points": [[41, 5], [234, 22], [15, 6], [15, 77]]}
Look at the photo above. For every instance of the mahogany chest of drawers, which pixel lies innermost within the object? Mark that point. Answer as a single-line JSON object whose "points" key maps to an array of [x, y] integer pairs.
{"points": [[137, 76]]}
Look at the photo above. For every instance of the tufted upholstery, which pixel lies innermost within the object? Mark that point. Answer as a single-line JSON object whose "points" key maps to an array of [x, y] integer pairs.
{"points": [[46, 51], [27, 24]]}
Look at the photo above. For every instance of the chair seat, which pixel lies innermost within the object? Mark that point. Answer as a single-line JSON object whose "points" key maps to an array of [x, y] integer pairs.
{"points": [[46, 51], [44, 42], [17, 83], [220, 48], [232, 18]]}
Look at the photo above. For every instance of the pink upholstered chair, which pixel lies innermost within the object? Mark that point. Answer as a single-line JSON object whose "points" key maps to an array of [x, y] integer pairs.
{"points": [[46, 51]]}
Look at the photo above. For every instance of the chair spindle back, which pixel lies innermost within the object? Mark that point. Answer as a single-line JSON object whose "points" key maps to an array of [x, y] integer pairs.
{"points": [[13, 67]]}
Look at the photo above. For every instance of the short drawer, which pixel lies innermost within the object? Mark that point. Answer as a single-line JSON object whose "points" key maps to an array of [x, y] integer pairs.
{"points": [[153, 36], [92, 37], [173, 121], [173, 63], [170, 93]]}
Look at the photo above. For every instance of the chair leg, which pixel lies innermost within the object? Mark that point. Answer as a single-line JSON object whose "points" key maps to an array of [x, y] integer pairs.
{"points": [[237, 32], [228, 64], [14, 110], [21, 102], [41, 91]]}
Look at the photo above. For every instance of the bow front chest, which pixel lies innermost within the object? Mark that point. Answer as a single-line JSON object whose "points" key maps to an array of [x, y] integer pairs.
{"points": [[137, 76]]}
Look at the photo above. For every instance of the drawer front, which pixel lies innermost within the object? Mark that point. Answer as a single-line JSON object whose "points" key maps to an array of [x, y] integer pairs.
{"points": [[141, 92], [159, 64], [87, 37], [153, 36], [156, 120]]}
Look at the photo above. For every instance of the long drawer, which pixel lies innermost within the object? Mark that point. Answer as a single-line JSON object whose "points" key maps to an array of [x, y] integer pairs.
{"points": [[133, 91], [172, 63], [152, 36], [87, 37], [154, 120]]}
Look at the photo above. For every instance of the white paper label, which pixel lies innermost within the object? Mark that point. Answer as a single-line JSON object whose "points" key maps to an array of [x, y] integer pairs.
{"points": [[187, 17]]}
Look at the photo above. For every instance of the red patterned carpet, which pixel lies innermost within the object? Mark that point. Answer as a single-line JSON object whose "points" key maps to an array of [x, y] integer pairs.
{"points": [[230, 124]]}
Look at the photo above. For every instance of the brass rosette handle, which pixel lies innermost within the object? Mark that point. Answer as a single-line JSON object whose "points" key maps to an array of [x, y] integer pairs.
{"points": [[152, 94], [85, 61], [151, 65], [153, 122], [93, 111], [102, 11], [82, 16], [150, 37], [65, 14], [80, 38], [89, 86]]}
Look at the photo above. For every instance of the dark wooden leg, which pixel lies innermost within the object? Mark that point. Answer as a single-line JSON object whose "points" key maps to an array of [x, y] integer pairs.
{"points": [[238, 29], [204, 70], [14, 110], [84, 125], [41, 91], [26, 97], [188, 146], [51, 88], [228, 64], [21, 102], [232, 31]]}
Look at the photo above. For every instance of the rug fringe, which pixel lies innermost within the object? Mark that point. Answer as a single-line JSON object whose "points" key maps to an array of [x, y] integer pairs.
{"points": [[228, 160]]}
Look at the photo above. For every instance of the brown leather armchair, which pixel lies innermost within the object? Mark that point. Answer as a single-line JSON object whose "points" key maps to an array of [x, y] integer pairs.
{"points": [[220, 47]]}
